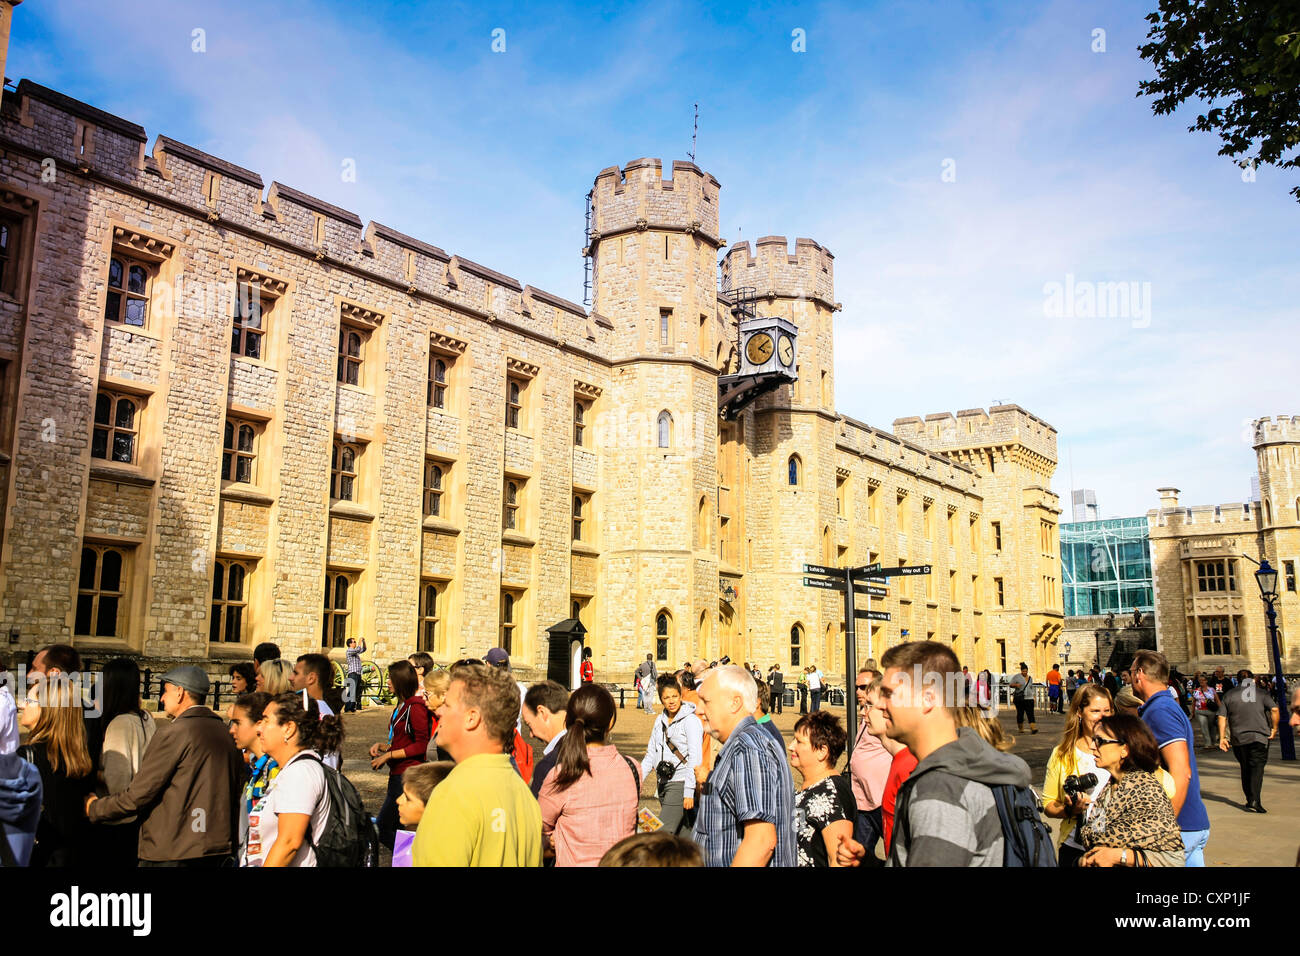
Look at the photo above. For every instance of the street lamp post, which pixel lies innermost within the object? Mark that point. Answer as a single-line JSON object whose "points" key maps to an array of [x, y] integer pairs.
{"points": [[1266, 577]]}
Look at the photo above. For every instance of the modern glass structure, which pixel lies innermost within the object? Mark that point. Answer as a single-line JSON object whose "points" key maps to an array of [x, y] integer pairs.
{"points": [[1106, 566]]}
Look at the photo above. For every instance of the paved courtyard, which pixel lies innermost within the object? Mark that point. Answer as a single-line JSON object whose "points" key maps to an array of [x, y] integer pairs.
{"points": [[1237, 838]]}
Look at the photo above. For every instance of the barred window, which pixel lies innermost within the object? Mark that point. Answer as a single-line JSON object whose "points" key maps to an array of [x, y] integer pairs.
{"points": [[229, 601], [1215, 636], [116, 427]]}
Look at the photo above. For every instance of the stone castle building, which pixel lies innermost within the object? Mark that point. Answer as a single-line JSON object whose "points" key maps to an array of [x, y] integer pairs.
{"points": [[232, 413], [1209, 612]]}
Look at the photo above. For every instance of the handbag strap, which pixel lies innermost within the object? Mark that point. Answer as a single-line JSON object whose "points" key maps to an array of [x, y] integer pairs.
{"points": [[672, 746]]}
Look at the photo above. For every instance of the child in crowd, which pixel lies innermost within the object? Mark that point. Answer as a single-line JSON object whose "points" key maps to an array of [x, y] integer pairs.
{"points": [[417, 786]]}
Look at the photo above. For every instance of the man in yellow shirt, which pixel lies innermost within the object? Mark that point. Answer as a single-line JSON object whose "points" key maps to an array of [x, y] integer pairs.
{"points": [[482, 814]]}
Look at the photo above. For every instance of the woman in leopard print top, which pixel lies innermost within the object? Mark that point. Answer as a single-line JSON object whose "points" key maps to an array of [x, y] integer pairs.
{"points": [[1132, 813]]}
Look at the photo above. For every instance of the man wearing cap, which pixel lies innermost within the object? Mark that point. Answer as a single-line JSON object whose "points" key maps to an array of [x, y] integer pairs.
{"points": [[187, 788]]}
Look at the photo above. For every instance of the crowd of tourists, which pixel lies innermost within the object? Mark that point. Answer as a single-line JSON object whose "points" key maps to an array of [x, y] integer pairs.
{"points": [[927, 781]]}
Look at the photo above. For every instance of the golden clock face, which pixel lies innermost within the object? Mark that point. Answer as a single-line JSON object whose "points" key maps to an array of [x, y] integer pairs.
{"points": [[759, 348], [785, 350]]}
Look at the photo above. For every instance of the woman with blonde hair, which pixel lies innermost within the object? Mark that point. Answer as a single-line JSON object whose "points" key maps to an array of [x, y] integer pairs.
{"points": [[1074, 757], [273, 677], [987, 727], [436, 683], [56, 727]]}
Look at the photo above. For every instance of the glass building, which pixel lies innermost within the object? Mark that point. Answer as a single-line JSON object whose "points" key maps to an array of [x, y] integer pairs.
{"points": [[1106, 566]]}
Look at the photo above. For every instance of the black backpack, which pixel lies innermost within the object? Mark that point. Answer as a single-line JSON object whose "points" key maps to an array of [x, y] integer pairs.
{"points": [[1026, 838], [349, 838]]}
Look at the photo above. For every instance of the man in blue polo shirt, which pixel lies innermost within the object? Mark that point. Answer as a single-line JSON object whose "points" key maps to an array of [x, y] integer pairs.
{"points": [[1173, 732]]}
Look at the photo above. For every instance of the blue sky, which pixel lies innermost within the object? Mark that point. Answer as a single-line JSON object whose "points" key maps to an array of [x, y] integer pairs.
{"points": [[1059, 170]]}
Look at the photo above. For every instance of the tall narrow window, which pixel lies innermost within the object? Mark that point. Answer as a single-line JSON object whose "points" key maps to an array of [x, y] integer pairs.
{"points": [[999, 593], [579, 516], [663, 632], [1288, 568], [514, 402], [507, 622], [238, 453], [427, 639], [996, 527], [334, 630], [116, 428], [433, 478], [579, 421], [437, 397], [229, 602], [665, 322], [127, 301], [343, 473], [101, 592], [796, 645], [510, 512], [10, 244], [792, 470], [665, 424], [351, 344], [251, 311]]}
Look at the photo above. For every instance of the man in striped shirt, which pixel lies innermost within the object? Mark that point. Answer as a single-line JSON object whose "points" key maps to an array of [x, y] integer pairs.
{"points": [[746, 807], [352, 701]]}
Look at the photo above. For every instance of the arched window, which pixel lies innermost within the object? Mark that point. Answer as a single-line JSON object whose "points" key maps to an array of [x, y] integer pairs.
{"points": [[795, 466], [663, 633], [1297, 509], [344, 472], [796, 644], [514, 403], [507, 621], [665, 430], [703, 643], [703, 525], [438, 384], [828, 549], [1268, 512], [349, 370], [510, 516], [433, 475], [115, 429]]}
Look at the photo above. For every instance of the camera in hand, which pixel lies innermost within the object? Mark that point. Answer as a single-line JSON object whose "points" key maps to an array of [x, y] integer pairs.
{"points": [[1081, 783]]}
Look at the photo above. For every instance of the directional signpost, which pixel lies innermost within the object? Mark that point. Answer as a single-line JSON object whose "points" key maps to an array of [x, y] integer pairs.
{"points": [[853, 581]]}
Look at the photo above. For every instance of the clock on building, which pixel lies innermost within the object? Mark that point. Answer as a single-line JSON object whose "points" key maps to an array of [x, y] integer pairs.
{"points": [[768, 347]]}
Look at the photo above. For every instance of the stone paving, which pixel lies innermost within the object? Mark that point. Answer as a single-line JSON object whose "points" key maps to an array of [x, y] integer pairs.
{"points": [[1237, 838]]}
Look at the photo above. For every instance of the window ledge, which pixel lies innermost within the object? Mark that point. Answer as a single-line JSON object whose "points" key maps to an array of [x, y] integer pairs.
{"points": [[223, 650], [978, 610], [132, 329], [904, 600], [355, 388], [440, 526], [514, 537], [248, 360], [348, 509], [114, 644], [237, 491], [122, 476], [933, 604], [582, 547]]}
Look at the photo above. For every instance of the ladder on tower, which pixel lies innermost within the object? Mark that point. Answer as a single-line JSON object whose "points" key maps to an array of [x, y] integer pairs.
{"points": [[586, 256]]}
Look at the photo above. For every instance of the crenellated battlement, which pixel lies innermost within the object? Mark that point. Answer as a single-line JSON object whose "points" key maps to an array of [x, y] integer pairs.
{"points": [[1000, 426], [772, 270], [1284, 430], [638, 198], [88, 142]]}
